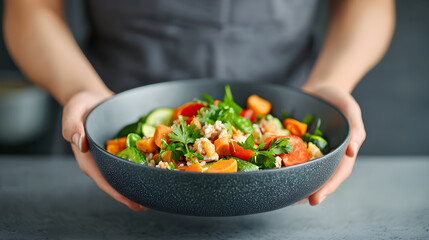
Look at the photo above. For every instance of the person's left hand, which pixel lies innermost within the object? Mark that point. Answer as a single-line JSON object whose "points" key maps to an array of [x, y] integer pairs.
{"points": [[347, 104]]}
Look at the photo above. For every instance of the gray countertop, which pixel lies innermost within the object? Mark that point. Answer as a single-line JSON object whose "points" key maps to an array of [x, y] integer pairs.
{"points": [[49, 198]]}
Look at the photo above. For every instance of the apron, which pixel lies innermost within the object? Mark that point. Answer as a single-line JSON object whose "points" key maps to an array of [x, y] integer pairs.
{"points": [[138, 42]]}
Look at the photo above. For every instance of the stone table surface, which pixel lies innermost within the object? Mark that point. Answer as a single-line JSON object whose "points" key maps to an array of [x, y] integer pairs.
{"points": [[45, 197]]}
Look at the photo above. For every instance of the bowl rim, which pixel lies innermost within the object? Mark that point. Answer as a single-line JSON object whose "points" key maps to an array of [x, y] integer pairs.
{"points": [[223, 81]]}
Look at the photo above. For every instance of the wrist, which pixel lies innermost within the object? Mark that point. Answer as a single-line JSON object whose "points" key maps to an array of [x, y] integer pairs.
{"points": [[316, 84], [101, 93]]}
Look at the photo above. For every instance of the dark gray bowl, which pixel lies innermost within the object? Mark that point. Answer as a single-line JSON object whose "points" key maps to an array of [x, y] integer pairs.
{"points": [[205, 194]]}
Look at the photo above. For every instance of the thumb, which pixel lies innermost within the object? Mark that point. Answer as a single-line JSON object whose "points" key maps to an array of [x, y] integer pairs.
{"points": [[73, 131]]}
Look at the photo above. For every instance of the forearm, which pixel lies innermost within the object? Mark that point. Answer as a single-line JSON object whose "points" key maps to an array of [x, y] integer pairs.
{"points": [[42, 45], [358, 36]]}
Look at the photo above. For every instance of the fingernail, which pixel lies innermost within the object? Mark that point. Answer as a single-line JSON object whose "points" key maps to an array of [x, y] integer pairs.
{"points": [[321, 199], [80, 143], [76, 139], [354, 148]]}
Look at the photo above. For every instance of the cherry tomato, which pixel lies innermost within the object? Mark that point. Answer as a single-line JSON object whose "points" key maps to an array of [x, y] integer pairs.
{"points": [[299, 153], [191, 109], [240, 152], [249, 114]]}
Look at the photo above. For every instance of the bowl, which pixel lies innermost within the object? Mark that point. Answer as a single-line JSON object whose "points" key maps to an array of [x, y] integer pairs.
{"points": [[212, 194]]}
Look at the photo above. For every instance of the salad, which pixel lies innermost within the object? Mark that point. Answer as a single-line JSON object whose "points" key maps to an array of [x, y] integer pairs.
{"points": [[217, 136]]}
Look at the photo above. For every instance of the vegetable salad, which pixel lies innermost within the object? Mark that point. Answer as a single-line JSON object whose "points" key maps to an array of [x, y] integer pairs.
{"points": [[217, 136]]}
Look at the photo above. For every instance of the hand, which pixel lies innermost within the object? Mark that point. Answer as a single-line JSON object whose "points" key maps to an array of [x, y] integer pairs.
{"points": [[74, 113], [347, 104]]}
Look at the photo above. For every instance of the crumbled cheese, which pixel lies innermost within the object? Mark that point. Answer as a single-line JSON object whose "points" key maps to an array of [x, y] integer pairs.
{"points": [[177, 121], [163, 165], [215, 157], [240, 138], [149, 156], [151, 163], [207, 131], [212, 132], [198, 145], [199, 148], [223, 133], [314, 151], [278, 162], [262, 124], [257, 134]]}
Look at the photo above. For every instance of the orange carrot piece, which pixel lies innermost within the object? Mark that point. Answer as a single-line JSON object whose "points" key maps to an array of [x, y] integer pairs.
{"points": [[295, 127], [122, 143], [216, 102], [155, 157], [195, 167], [166, 157], [258, 105], [222, 146], [161, 132], [182, 168], [224, 166], [197, 123], [209, 148], [112, 148], [147, 145]]}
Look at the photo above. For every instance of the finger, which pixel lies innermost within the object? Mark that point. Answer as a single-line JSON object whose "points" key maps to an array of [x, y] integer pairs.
{"points": [[88, 166], [342, 173], [357, 131], [72, 124]]}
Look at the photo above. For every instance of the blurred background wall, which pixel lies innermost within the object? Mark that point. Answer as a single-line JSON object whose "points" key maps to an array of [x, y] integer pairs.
{"points": [[394, 96]]}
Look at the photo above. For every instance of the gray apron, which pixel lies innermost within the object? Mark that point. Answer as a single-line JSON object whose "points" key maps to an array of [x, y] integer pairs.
{"points": [[138, 42]]}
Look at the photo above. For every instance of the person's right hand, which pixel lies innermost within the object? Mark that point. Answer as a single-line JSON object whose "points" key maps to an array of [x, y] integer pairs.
{"points": [[74, 114]]}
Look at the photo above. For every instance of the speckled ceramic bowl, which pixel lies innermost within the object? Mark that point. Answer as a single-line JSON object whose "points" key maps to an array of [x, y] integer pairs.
{"points": [[211, 194]]}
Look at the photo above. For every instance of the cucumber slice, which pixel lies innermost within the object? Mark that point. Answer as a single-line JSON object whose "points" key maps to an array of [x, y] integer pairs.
{"points": [[276, 121], [283, 132], [148, 130], [244, 166], [160, 116], [320, 142], [278, 124]]}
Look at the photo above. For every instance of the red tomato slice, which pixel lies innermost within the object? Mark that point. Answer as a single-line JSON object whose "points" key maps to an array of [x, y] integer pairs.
{"points": [[191, 109], [249, 114], [189, 120], [240, 152], [299, 153]]}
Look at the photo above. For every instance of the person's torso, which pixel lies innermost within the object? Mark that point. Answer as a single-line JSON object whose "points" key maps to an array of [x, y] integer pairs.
{"points": [[136, 42]]}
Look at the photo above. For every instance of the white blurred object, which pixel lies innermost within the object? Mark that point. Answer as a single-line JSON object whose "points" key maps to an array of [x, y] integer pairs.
{"points": [[23, 112]]}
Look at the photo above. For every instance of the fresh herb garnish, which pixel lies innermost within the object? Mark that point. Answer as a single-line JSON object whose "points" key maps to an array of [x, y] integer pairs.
{"points": [[285, 115], [229, 100], [182, 134], [209, 98], [308, 119], [317, 132], [265, 158]]}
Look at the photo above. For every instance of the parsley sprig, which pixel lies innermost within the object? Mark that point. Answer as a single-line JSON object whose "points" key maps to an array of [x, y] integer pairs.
{"points": [[265, 158], [181, 136]]}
